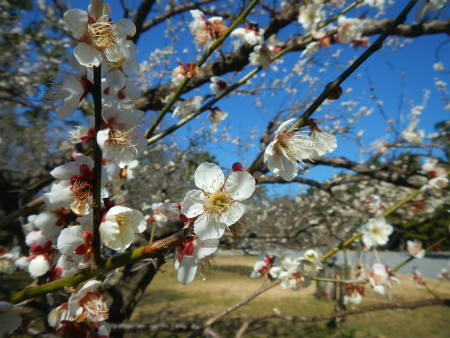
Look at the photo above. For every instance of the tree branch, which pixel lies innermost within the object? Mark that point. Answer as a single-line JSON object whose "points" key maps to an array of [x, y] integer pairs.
{"points": [[365, 309]]}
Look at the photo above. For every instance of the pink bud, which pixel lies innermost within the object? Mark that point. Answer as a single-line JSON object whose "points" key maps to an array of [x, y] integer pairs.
{"points": [[237, 167]]}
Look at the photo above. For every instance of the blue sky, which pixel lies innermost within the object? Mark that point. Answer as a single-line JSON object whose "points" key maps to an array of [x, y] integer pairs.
{"points": [[383, 68]]}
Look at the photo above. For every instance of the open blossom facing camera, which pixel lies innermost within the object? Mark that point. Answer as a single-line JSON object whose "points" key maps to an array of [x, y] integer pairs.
{"points": [[285, 150], [217, 205], [251, 34], [190, 256], [75, 187], [311, 16], [87, 304], [415, 248], [262, 55], [376, 232], [119, 225], [187, 107], [349, 29], [290, 274], [119, 136], [98, 35]]}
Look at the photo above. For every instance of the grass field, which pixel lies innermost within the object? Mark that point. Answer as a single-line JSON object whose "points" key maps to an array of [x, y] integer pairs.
{"points": [[228, 282]]}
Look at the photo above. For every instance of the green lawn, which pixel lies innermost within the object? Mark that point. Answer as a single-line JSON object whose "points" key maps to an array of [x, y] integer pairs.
{"points": [[228, 282]]}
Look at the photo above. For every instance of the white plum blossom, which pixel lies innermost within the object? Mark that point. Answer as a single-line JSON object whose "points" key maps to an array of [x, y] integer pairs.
{"points": [[187, 107], [119, 225], [180, 73], [349, 29], [353, 294], [290, 274], [413, 135], [429, 165], [438, 66], [82, 133], [216, 116], [75, 187], [374, 205], [58, 314], [87, 304], [310, 49], [415, 249], [218, 85], [323, 142], [429, 6], [250, 34], [9, 321], [170, 210], [206, 31], [263, 267], [311, 16], [444, 274], [313, 257], [218, 204], [119, 136], [190, 255], [117, 87], [7, 259], [262, 55], [285, 150], [378, 278], [435, 185], [71, 88], [98, 35], [376, 232], [127, 62], [375, 3], [76, 241]]}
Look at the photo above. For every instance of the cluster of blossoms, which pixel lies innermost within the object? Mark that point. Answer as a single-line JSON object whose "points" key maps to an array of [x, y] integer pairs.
{"points": [[312, 17], [288, 148], [61, 238], [293, 273]]}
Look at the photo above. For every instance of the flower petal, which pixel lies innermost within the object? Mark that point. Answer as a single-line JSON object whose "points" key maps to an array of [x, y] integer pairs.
{"points": [[233, 214], [205, 248], [206, 227], [193, 203], [87, 55], [187, 269], [240, 184], [209, 177], [76, 21]]}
